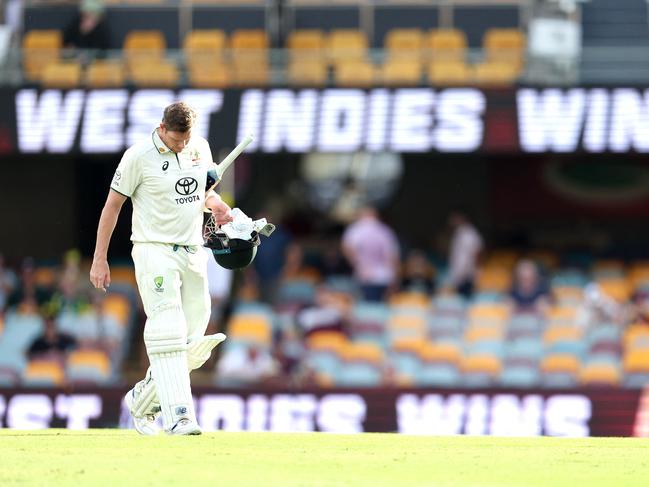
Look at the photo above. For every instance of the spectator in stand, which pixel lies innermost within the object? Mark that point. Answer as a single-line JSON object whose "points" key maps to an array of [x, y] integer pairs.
{"points": [[465, 248], [270, 263], [529, 294], [329, 312], [8, 282], [28, 289], [246, 366], [51, 345], [418, 273], [88, 30], [372, 250]]}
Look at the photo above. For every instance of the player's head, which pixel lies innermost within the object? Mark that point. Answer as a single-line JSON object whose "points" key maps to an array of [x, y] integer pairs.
{"points": [[176, 126]]}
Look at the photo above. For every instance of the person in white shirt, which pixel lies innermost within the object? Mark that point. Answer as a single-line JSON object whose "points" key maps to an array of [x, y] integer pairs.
{"points": [[165, 175], [465, 248], [372, 249]]}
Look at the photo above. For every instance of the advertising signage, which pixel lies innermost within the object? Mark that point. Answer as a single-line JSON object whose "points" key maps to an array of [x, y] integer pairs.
{"points": [[575, 413], [403, 120]]}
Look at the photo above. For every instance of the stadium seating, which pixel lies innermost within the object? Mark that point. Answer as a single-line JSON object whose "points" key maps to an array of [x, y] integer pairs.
{"points": [[144, 47], [105, 74], [40, 48], [63, 75]]}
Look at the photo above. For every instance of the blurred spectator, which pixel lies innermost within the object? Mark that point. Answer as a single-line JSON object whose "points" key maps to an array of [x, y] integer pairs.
{"points": [[332, 262], [70, 293], [289, 351], [418, 273], [52, 345], [372, 249], [88, 30], [328, 313], [465, 248], [28, 289], [597, 308], [246, 365], [270, 262], [93, 328], [8, 282], [528, 293]]}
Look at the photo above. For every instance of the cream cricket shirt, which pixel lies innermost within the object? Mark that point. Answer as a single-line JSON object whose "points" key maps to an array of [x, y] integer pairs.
{"points": [[167, 189]]}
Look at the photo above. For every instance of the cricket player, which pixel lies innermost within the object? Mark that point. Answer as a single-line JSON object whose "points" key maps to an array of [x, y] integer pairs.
{"points": [[165, 176]]}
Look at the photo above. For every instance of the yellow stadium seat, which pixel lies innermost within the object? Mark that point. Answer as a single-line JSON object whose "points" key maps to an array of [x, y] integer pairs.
{"points": [[346, 45], [204, 47], [90, 358], [560, 363], [210, 75], [250, 72], [440, 352], [488, 312], [45, 276], [354, 74], [411, 344], [446, 45], [404, 44], [489, 364], [117, 306], [306, 43], [44, 372], [636, 360], [496, 279], [496, 73], [620, 289], [251, 328], [449, 73], [327, 340], [562, 333], [481, 333], [252, 39], [562, 315], [162, 74], [40, 48], [307, 72], [410, 299], [366, 352], [401, 72], [599, 374], [63, 74], [123, 275], [505, 45], [568, 294], [633, 332], [105, 74], [144, 47]]}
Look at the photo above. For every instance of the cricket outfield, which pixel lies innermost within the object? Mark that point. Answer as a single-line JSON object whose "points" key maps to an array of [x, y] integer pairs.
{"points": [[122, 458]]}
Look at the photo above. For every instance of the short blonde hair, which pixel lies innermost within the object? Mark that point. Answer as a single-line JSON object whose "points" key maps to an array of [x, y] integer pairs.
{"points": [[179, 117]]}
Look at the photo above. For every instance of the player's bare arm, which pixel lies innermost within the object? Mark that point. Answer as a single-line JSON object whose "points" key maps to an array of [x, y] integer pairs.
{"points": [[100, 272]]}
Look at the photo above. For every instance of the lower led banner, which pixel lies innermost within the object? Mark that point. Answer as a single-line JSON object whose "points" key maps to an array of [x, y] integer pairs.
{"points": [[575, 413]]}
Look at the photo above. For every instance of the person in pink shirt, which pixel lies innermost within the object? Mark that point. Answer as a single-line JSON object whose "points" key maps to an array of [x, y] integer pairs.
{"points": [[372, 249]]}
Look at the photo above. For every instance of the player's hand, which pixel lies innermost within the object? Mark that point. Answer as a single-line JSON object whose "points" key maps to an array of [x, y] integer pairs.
{"points": [[100, 274], [221, 211]]}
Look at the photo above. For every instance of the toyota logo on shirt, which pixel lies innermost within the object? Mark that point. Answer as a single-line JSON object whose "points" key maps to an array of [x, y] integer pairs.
{"points": [[186, 186]]}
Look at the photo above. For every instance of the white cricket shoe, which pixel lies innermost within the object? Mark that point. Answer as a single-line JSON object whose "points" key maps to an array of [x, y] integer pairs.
{"points": [[145, 425], [185, 426]]}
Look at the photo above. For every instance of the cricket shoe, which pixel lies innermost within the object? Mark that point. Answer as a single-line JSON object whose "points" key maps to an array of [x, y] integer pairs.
{"points": [[185, 426], [146, 424]]}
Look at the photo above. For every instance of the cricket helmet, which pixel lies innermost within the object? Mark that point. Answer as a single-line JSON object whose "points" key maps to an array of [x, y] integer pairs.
{"points": [[233, 253]]}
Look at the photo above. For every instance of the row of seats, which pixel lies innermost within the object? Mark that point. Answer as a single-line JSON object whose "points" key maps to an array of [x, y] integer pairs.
{"points": [[213, 60]]}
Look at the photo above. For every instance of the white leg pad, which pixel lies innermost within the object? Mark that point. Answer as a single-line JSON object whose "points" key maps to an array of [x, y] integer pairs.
{"points": [[198, 352], [173, 387]]}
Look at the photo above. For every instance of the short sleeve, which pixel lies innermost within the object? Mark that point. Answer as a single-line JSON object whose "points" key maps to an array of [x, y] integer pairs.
{"points": [[127, 175]]}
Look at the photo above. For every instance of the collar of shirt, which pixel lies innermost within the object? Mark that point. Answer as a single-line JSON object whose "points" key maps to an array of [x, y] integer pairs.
{"points": [[157, 141]]}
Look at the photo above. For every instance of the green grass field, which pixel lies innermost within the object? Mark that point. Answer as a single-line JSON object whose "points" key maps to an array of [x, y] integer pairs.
{"points": [[122, 458]]}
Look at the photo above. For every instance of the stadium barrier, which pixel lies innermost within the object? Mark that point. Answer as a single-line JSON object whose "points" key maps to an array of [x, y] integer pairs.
{"points": [[574, 413]]}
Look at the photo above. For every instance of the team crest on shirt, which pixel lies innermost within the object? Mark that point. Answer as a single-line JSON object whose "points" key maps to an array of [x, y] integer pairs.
{"points": [[196, 157], [158, 281]]}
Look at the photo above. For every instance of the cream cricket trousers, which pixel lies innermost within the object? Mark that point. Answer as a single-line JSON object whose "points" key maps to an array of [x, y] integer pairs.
{"points": [[174, 275]]}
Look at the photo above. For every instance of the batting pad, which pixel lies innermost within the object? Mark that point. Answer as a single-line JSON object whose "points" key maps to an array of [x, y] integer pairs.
{"points": [[172, 386], [198, 352]]}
